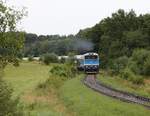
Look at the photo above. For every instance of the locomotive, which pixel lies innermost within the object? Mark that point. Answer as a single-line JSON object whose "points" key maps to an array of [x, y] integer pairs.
{"points": [[89, 62]]}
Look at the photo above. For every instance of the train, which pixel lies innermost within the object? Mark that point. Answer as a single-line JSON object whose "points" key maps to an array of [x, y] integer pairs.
{"points": [[89, 63]]}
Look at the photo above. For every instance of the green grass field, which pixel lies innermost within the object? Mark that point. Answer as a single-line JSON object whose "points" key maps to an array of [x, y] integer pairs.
{"points": [[24, 80], [26, 76], [86, 102], [72, 99]]}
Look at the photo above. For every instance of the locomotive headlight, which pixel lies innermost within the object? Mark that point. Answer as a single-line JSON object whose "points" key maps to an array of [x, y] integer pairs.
{"points": [[95, 66], [86, 66]]}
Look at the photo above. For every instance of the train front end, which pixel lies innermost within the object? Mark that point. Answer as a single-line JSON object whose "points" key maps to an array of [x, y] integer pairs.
{"points": [[91, 63]]}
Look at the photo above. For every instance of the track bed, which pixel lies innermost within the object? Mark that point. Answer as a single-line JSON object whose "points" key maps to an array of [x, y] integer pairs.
{"points": [[96, 85]]}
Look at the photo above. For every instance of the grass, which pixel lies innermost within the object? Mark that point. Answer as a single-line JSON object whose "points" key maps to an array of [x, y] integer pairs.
{"points": [[121, 84], [24, 80], [86, 102], [26, 76], [72, 99]]}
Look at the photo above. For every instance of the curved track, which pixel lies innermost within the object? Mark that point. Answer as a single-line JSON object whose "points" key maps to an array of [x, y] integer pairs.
{"points": [[96, 85]]}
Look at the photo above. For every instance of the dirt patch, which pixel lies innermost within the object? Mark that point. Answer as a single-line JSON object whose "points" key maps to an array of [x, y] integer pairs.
{"points": [[147, 81]]}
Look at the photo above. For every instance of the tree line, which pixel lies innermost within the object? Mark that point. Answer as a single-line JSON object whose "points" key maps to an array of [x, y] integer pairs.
{"points": [[119, 35], [113, 37], [61, 45], [122, 41]]}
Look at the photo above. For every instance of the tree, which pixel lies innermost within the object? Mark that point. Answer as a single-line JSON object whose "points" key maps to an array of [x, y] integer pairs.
{"points": [[139, 62], [11, 42], [50, 58]]}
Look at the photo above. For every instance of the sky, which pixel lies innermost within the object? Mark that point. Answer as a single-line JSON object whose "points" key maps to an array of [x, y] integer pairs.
{"points": [[64, 17]]}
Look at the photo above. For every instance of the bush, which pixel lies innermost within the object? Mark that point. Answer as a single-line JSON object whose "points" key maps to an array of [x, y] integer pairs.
{"points": [[30, 58], [8, 106], [118, 64], [59, 71], [129, 75], [62, 60], [16, 62], [59, 74], [146, 68], [139, 62], [50, 58], [51, 82], [64, 71], [138, 80]]}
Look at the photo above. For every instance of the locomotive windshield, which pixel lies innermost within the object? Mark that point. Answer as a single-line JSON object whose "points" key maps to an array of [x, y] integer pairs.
{"points": [[91, 57]]}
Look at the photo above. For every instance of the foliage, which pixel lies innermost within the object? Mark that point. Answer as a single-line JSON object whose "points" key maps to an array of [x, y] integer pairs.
{"points": [[11, 41], [139, 62], [119, 35], [65, 71], [8, 106], [129, 75], [50, 58], [59, 70], [124, 85], [146, 67], [30, 58], [118, 64], [60, 46], [62, 60], [58, 75], [52, 82], [25, 79]]}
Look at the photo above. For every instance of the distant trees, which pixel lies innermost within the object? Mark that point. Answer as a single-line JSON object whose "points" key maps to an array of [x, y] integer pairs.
{"points": [[60, 46]]}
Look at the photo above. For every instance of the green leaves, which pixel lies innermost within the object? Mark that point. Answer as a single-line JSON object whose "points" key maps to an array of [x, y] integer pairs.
{"points": [[11, 41]]}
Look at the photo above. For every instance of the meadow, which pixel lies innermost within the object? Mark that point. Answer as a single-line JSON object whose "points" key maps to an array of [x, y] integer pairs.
{"points": [[71, 99], [24, 80]]}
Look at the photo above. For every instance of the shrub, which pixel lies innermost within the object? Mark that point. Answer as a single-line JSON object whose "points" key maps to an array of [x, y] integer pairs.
{"points": [[146, 68], [52, 81], [58, 74], [50, 58], [118, 64], [30, 58], [62, 60], [59, 71], [65, 70], [16, 62], [8, 106], [138, 80], [139, 62], [129, 75]]}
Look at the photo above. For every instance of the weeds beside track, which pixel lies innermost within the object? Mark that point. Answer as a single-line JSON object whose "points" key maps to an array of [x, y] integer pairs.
{"points": [[96, 85]]}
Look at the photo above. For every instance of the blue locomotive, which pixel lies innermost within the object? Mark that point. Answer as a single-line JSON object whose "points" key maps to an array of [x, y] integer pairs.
{"points": [[89, 62]]}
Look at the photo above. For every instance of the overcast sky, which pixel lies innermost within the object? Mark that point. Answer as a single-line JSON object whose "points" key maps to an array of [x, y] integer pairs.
{"points": [[69, 16]]}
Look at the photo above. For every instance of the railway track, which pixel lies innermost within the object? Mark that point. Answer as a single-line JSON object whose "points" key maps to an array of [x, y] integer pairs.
{"points": [[96, 85]]}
